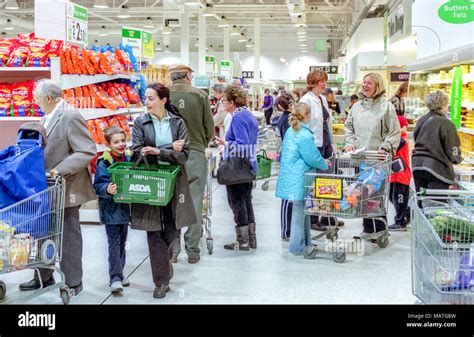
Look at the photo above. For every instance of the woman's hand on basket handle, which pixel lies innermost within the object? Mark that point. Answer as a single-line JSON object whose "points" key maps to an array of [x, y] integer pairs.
{"points": [[54, 173], [147, 150], [328, 162], [112, 189], [219, 141], [178, 145]]}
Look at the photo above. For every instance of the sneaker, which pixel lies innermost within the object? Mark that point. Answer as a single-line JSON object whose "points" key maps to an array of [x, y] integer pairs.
{"points": [[125, 282], [160, 291], [285, 240], [116, 287], [397, 228], [406, 222], [318, 227]]}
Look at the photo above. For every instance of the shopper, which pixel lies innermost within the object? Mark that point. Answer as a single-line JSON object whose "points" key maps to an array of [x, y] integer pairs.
{"points": [[114, 216], [332, 102], [161, 135], [321, 125], [400, 182], [297, 94], [267, 106], [354, 100], [372, 124], [398, 99], [219, 112], [194, 108], [285, 103], [299, 155], [237, 82], [437, 146], [241, 140], [68, 153], [276, 93]]}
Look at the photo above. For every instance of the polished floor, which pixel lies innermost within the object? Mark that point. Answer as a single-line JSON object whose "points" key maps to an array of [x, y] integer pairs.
{"points": [[266, 275]]}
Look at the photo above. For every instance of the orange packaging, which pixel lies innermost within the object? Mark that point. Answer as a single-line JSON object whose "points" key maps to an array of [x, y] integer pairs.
{"points": [[124, 125], [95, 94], [87, 98], [132, 95], [92, 129], [101, 125], [68, 95], [115, 94], [79, 98], [89, 66], [94, 58], [39, 49], [5, 99], [105, 65], [124, 59], [121, 89], [22, 98], [106, 100], [70, 66], [78, 62], [115, 64], [19, 56], [62, 55]]}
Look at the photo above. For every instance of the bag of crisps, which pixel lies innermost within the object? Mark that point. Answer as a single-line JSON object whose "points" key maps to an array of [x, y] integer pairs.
{"points": [[132, 95], [94, 58], [79, 97], [19, 56], [6, 47], [101, 125], [124, 125], [5, 99], [62, 55], [89, 66], [115, 94], [69, 64], [38, 52], [91, 125], [68, 95], [123, 92], [123, 58], [55, 47], [78, 62], [106, 100], [22, 98]]}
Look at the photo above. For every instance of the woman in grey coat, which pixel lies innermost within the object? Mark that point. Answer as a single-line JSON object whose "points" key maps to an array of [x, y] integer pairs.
{"points": [[161, 135]]}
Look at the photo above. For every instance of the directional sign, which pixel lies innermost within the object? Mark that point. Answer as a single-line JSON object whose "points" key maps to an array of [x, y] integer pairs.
{"points": [[326, 69]]}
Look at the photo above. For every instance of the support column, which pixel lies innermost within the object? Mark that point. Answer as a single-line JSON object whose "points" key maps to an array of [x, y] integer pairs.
{"points": [[202, 43], [226, 43], [185, 36], [256, 49]]}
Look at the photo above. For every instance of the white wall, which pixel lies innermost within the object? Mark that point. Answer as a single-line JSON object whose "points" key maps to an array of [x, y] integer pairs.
{"points": [[425, 13]]}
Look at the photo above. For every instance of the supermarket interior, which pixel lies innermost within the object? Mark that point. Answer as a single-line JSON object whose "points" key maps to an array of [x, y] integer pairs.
{"points": [[386, 86]]}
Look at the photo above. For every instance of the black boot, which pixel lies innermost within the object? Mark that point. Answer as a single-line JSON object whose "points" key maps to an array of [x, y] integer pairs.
{"points": [[253, 235], [242, 242]]}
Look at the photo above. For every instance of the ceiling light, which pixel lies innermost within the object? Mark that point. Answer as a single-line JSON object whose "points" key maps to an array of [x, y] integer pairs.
{"points": [[167, 31], [159, 47], [209, 12], [249, 45], [149, 23], [223, 23], [123, 14], [167, 49], [242, 38], [282, 59], [304, 51], [103, 31], [234, 31], [12, 4], [303, 45], [192, 2], [301, 31], [100, 4], [9, 25]]}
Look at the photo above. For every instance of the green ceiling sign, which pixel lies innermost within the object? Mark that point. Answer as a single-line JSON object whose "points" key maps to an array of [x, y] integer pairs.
{"points": [[457, 11], [210, 59]]}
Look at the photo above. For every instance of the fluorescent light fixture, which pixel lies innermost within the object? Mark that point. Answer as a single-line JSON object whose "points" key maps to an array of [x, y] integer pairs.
{"points": [[242, 38], [209, 12], [192, 3], [12, 4], [303, 45], [167, 31], [223, 22], [234, 31], [301, 31], [101, 4], [123, 14], [149, 23], [103, 31], [282, 59], [304, 51], [249, 45], [9, 25]]}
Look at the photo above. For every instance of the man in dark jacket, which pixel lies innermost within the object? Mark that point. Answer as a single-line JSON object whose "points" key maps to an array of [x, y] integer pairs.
{"points": [[194, 108]]}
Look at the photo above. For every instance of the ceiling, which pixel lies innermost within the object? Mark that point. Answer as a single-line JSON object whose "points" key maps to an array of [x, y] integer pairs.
{"points": [[330, 20]]}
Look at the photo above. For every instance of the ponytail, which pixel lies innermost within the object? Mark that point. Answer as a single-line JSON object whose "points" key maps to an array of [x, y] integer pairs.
{"points": [[299, 113]]}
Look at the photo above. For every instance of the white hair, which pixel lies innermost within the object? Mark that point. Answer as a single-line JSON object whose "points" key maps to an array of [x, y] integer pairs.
{"points": [[48, 88], [437, 100]]}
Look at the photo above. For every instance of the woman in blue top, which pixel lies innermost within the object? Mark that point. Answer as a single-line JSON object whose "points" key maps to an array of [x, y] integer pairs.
{"points": [[242, 140], [268, 106], [299, 154]]}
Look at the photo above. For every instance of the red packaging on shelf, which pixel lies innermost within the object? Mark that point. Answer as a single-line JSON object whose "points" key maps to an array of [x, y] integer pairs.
{"points": [[132, 95], [93, 130], [22, 98], [106, 100], [123, 92], [124, 59], [19, 56], [115, 94], [39, 49], [95, 94], [69, 64], [5, 99], [89, 66], [6, 47], [79, 98], [55, 46], [124, 125], [62, 55], [68, 95], [78, 62], [94, 58], [101, 124], [88, 100]]}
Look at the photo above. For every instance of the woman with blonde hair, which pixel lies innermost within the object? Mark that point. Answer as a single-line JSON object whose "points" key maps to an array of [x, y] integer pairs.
{"points": [[397, 99], [372, 124], [299, 154]]}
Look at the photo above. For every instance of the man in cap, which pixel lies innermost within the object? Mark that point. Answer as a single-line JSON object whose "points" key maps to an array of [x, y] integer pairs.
{"points": [[194, 108]]}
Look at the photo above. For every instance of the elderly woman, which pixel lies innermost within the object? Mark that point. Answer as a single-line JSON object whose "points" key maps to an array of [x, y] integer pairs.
{"points": [[372, 124], [219, 112], [161, 135], [437, 146], [241, 139], [68, 153]]}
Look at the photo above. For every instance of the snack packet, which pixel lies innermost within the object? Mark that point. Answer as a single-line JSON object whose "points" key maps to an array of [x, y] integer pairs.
{"points": [[22, 98], [5, 99], [6, 47], [19, 56], [39, 49]]}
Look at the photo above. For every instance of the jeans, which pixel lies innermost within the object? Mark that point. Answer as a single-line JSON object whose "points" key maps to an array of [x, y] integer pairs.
{"points": [[399, 194], [116, 237], [285, 217], [300, 229], [239, 197]]}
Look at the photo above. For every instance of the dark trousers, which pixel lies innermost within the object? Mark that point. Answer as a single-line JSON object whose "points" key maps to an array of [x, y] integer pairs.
{"points": [[369, 225], [424, 179], [268, 116], [285, 216], [71, 262], [399, 195], [239, 197], [159, 247], [326, 152], [116, 238]]}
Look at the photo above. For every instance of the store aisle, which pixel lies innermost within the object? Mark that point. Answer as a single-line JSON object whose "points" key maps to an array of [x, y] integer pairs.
{"points": [[266, 275]]}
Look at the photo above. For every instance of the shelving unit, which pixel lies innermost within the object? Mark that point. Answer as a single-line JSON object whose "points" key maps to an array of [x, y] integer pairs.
{"points": [[73, 81]]}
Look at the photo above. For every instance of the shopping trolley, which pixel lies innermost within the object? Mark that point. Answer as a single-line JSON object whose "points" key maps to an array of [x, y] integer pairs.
{"points": [[207, 203], [31, 234], [268, 157], [355, 186], [443, 246]]}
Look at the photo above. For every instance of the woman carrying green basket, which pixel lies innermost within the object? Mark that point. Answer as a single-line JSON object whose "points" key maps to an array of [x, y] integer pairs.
{"points": [[161, 135]]}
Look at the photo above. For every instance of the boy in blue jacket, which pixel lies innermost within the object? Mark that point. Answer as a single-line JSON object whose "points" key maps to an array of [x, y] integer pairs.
{"points": [[115, 216]]}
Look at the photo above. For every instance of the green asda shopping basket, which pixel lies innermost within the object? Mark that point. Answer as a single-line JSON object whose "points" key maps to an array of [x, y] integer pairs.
{"points": [[264, 166], [151, 184]]}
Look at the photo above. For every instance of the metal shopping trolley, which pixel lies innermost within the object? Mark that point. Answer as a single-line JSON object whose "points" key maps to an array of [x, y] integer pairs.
{"points": [[268, 157], [31, 234], [443, 246], [356, 186], [207, 203]]}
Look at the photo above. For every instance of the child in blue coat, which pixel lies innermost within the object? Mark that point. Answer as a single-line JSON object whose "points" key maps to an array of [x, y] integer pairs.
{"points": [[299, 154], [115, 216]]}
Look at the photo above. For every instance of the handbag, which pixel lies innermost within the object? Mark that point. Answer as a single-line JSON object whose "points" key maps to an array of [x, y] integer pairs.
{"points": [[235, 170]]}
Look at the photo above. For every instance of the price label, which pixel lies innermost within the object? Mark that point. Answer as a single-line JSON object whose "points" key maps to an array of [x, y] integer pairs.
{"points": [[77, 31]]}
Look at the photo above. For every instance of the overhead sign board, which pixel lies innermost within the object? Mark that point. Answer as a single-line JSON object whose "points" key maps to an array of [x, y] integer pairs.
{"points": [[249, 74], [133, 37], [327, 69], [77, 24]]}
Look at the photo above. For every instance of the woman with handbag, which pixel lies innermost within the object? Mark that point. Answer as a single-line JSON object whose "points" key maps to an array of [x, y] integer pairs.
{"points": [[161, 135], [299, 154], [239, 167]]}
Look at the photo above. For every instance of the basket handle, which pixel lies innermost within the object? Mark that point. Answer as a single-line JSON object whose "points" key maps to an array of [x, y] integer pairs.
{"points": [[264, 152], [135, 165], [430, 192]]}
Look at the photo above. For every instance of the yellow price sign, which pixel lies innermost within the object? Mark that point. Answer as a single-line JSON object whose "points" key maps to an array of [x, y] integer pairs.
{"points": [[328, 188]]}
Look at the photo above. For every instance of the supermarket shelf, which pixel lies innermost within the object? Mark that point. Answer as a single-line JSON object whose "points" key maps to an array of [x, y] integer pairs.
{"points": [[466, 78], [467, 104], [466, 130], [99, 113], [137, 110], [469, 160], [17, 69], [73, 81], [20, 119]]}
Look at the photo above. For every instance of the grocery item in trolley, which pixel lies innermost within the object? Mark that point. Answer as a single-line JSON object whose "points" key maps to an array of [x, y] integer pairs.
{"points": [[151, 184]]}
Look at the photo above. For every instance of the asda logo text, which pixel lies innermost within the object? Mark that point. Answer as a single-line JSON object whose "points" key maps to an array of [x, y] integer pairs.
{"points": [[37, 320], [139, 188]]}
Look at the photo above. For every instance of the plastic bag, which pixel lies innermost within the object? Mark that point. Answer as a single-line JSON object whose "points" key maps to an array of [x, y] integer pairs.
{"points": [[371, 177]]}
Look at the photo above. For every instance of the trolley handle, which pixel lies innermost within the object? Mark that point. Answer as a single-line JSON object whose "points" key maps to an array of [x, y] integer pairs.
{"points": [[427, 192]]}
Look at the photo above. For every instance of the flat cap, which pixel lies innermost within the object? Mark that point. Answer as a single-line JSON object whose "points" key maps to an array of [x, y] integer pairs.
{"points": [[180, 68]]}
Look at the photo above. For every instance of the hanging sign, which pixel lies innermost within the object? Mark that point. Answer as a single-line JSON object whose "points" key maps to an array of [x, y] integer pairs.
{"points": [[76, 24], [210, 65], [399, 76], [227, 68], [249, 74], [148, 50], [457, 11], [456, 97], [326, 69], [133, 37], [202, 81]]}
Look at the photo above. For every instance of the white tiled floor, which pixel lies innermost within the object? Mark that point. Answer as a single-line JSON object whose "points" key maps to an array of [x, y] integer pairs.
{"points": [[266, 275]]}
